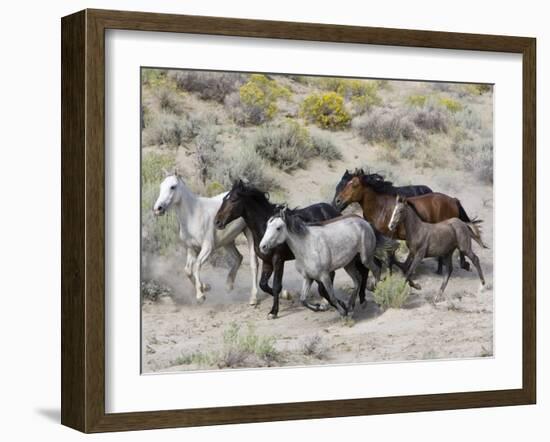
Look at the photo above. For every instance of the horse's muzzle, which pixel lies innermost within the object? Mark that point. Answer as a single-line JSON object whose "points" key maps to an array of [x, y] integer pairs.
{"points": [[159, 211], [219, 224]]}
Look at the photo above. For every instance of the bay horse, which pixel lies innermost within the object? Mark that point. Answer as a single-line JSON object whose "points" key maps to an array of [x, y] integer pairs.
{"points": [[377, 199], [323, 247], [253, 206], [412, 190], [435, 240], [195, 216]]}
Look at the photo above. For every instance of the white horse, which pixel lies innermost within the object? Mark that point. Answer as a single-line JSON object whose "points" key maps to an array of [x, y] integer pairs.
{"points": [[323, 247], [196, 229]]}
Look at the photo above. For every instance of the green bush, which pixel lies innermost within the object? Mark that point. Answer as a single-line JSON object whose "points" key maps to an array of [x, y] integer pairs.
{"points": [[159, 234], [152, 166], [326, 110], [153, 77], [392, 291]]}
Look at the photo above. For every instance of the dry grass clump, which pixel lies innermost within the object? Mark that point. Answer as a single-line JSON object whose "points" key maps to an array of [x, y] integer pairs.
{"points": [[314, 346]]}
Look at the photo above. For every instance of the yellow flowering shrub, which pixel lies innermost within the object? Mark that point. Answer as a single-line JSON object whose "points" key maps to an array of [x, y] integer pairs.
{"points": [[417, 100], [326, 110], [450, 104], [262, 93]]}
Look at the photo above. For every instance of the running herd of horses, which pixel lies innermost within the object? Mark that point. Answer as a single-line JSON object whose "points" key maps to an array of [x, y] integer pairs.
{"points": [[319, 238]]}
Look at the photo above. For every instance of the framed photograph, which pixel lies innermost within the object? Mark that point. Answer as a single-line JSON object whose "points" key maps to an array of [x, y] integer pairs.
{"points": [[267, 221]]}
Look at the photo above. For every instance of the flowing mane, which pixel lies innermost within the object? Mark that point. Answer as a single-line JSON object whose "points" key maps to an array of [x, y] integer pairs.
{"points": [[294, 223], [376, 182], [253, 193]]}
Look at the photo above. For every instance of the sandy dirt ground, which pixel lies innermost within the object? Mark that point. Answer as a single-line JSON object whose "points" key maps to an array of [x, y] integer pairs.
{"points": [[175, 329]]}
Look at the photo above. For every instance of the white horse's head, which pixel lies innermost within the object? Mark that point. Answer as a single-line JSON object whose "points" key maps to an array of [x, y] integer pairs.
{"points": [[276, 233], [170, 193]]}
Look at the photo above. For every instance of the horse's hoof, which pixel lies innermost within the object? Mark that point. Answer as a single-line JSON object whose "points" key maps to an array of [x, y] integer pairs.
{"points": [[285, 294], [272, 316], [205, 287], [229, 286], [322, 307], [201, 299], [415, 286], [253, 302]]}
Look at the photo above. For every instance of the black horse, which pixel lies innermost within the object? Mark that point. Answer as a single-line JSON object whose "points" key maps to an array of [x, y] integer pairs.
{"points": [[407, 191], [254, 207]]}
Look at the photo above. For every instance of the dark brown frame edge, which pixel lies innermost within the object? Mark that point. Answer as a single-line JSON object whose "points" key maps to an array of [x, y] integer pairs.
{"points": [[83, 216]]}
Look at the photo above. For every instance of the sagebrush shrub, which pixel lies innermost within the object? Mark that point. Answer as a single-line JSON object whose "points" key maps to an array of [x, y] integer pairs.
{"points": [[326, 110], [206, 154], [245, 164], [167, 129], [168, 99], [324, 147], [430, 118], [208, 85], [287, 146], [386, 124], [392, 291]]}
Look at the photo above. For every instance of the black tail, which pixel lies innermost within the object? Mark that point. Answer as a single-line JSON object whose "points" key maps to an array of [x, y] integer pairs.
{"points": [[462, 215]]}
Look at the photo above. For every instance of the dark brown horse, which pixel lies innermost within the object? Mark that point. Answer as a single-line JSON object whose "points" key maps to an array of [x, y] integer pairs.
{"points": [[377, 199]]}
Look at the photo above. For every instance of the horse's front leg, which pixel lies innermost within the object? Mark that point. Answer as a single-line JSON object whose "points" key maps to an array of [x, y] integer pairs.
{"points": [[191, 258], [414, 264], [253, 267], [237, 259], [327, 282], [203, 255], [304, 294], [267, 271], [279, 268]]}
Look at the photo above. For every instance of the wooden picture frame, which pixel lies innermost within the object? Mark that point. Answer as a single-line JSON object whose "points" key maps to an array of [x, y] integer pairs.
{"points": [[83, 220]]}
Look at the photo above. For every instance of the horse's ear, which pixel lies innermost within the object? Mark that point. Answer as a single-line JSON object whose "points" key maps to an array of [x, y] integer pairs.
{"points": [[176, 172]]}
